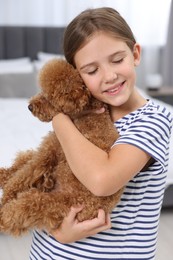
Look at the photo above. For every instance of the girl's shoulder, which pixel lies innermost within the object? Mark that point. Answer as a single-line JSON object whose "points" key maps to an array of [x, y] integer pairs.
{"points": [[157, 106], [149, 128], [151, 112]]}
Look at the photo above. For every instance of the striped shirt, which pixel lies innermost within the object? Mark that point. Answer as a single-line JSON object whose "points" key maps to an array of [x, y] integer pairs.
{"points": [[135, 219]]}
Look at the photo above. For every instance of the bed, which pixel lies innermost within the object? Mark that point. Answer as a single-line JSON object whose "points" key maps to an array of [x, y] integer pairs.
{"points": [[23, 51], [20, 130]]}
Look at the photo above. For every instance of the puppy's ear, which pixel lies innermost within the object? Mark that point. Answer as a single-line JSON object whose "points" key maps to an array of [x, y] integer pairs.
{"points": [[41, 108]]}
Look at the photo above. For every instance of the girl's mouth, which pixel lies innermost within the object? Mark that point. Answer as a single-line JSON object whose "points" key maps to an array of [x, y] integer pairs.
{"points": [[115, 90]]}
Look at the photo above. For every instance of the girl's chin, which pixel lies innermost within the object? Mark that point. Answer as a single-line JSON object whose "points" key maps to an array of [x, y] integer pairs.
{"points": [[118, 101]]}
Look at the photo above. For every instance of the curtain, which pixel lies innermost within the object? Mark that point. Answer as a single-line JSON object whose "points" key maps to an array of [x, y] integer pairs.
{"points": [[147, 18], [168, 53]]}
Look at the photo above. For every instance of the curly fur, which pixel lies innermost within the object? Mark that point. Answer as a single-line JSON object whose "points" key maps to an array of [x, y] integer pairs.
{"points": [[39, 188]]}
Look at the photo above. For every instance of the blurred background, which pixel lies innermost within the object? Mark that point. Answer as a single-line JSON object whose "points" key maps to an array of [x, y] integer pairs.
{"points": [[149, 20], [30, 34]]}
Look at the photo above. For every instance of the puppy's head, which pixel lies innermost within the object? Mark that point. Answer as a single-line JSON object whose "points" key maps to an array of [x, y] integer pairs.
{"points": [[62, 90], [41, 108]]}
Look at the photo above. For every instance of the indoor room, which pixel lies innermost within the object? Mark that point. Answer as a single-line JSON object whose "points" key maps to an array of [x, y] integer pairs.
{"points": [[31, 35]]}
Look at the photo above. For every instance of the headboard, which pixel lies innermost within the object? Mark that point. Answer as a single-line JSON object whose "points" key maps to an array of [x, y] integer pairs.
{"points": [[27, 41]]}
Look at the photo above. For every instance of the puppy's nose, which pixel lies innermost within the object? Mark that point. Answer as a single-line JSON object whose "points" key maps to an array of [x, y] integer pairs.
{"points": [[30, 107]]}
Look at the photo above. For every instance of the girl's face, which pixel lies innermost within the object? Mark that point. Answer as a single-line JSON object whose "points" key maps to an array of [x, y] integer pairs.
{"points": [[107, 66]]}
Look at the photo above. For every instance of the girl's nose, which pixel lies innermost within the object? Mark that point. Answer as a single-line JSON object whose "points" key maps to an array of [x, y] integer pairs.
{"points": [[109, 76]]}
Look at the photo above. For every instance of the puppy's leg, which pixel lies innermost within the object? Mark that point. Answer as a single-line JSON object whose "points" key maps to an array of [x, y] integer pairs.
{"points": [[34, 209], [21, 159], [36, 173]]}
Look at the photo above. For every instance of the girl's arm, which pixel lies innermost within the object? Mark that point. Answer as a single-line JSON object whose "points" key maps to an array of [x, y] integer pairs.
{"points": [[102, 173]]}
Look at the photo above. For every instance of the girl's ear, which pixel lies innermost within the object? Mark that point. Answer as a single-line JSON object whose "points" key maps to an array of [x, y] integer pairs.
{"points": [[137, 54]]}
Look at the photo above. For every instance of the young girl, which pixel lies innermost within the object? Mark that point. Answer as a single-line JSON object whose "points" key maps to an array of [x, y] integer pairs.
{"points": [[100, 44]]}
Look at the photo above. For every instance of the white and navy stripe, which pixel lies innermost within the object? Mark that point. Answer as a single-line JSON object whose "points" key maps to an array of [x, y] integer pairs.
{"points": [[135, 219]]}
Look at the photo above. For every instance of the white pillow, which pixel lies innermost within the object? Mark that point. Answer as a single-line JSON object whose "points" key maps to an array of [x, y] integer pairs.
{"points": [[44, 56], [17, 61], [38, 64], [19, 65]]}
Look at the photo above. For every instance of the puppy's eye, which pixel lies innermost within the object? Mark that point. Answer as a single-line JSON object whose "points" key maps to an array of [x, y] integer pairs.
{"points": [[83, 86]]}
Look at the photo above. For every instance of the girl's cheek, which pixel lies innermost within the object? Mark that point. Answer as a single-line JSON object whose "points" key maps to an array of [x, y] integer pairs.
{"points": [[91, 86], [88, 81]]}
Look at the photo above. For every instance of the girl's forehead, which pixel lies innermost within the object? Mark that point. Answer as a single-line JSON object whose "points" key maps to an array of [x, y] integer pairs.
{"points": [[99, 49], [102, 34], [98, 35]]}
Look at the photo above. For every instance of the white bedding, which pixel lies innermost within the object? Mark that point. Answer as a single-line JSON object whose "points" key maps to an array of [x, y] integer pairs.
{"points": [[20, 130]]}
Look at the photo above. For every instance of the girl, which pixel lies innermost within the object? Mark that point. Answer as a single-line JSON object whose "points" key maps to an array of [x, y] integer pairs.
{"points": [[100, 44]]}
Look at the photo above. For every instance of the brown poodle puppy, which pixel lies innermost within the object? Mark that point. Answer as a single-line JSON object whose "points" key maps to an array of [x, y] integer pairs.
{"points": [[39, 188]]}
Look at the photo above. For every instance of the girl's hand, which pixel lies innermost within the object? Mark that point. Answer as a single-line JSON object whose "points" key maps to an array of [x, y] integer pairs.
{"points": [[72, 230]]}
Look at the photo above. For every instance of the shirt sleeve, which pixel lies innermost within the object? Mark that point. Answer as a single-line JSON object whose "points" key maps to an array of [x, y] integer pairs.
{"points": [[150, 133]]}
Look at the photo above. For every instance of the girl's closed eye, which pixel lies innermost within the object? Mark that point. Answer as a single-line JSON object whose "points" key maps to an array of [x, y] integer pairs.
{"points": [[118, 61], [92, 71]]}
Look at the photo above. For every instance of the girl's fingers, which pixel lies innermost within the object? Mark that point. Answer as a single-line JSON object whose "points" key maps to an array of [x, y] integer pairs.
{"points": [[71, 217], [72, 230], [102, 221], [74, 210], [100, 111], [99, 224]]}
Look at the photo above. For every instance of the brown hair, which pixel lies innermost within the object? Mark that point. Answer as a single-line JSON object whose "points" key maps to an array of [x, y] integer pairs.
{"points": [[90, 21]]}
